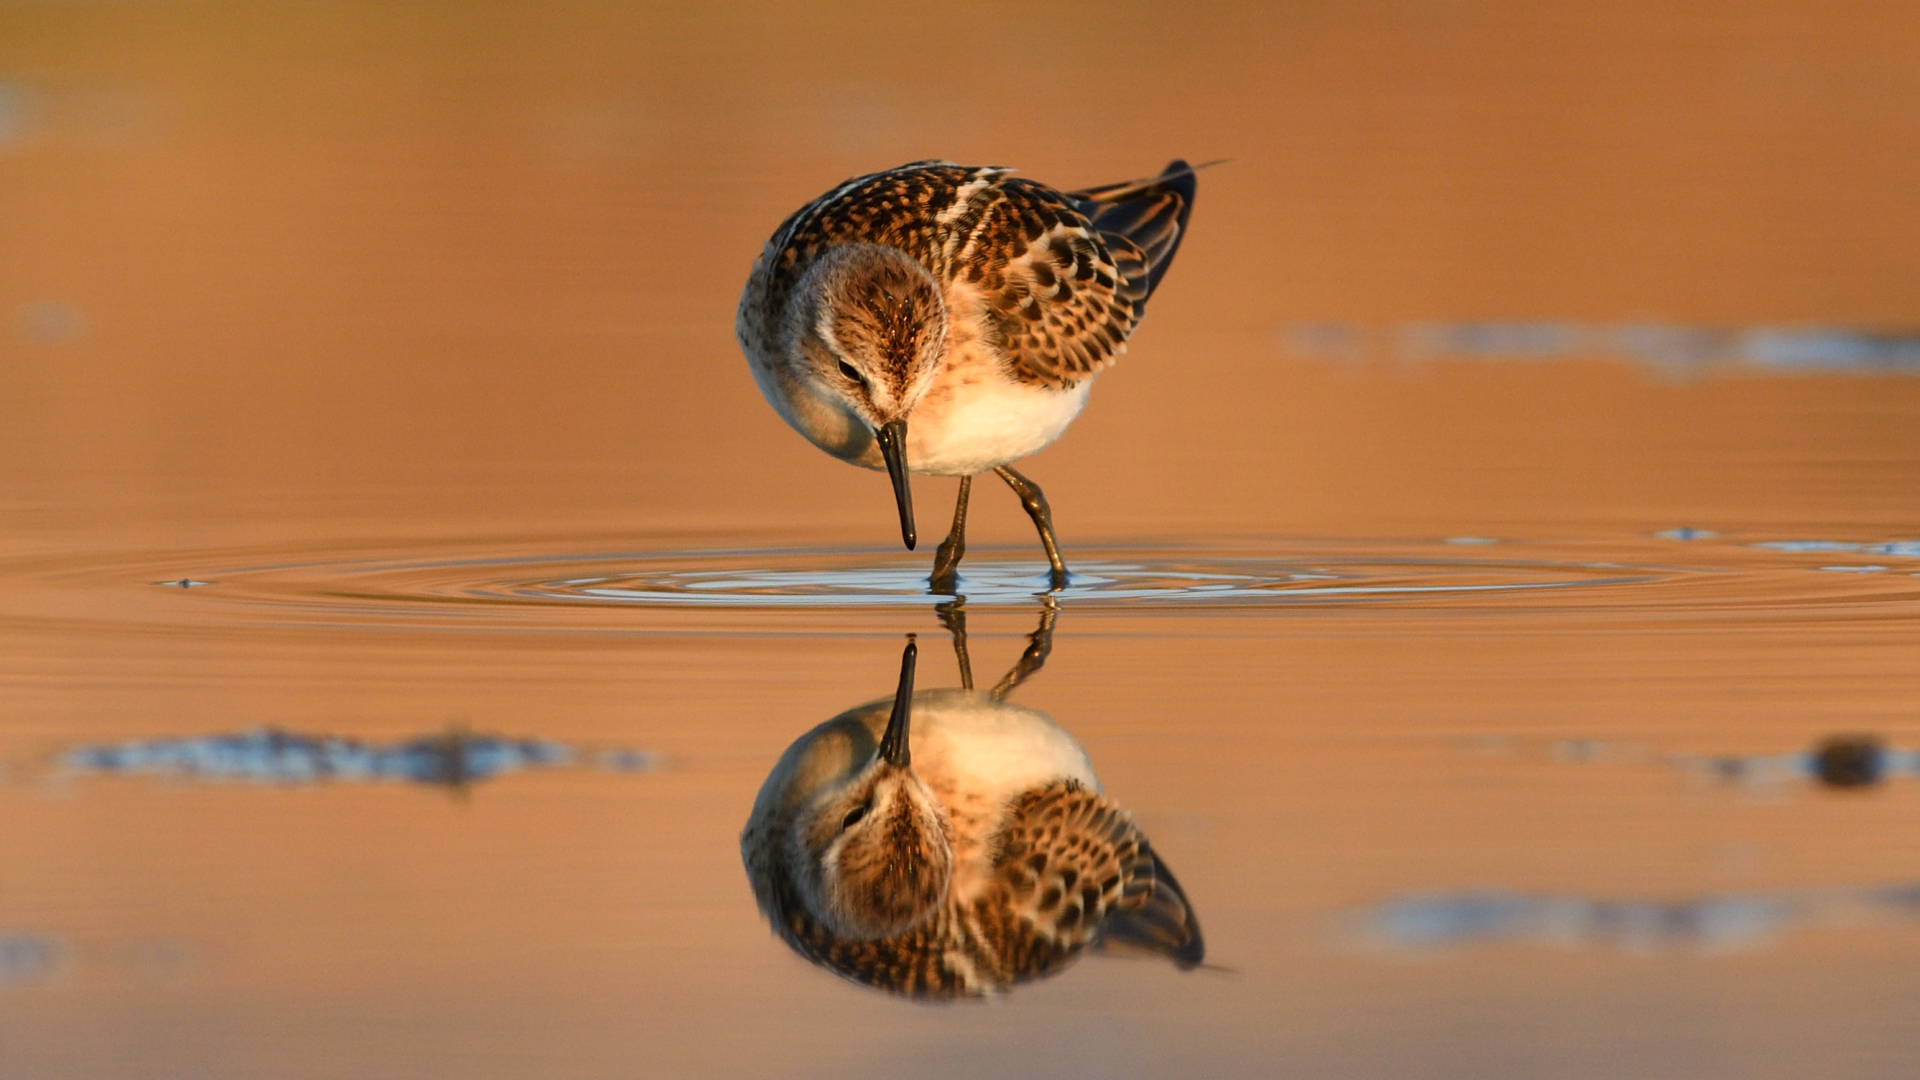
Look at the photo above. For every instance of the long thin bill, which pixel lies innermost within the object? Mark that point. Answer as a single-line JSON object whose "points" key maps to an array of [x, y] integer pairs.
{"points": [[893, 745], [893, 447]]}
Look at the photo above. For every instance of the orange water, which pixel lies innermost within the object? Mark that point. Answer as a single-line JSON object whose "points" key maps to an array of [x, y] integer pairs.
{"points": [[409, 331]]}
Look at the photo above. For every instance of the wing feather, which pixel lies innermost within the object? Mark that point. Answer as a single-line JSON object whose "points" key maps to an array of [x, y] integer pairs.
{"points": [[1078, 871], [1057, 301], [1151, 213], [1062, 278]]}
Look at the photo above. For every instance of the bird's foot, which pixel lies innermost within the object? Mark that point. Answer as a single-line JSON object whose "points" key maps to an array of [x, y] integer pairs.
{"points": [[945, 579]]}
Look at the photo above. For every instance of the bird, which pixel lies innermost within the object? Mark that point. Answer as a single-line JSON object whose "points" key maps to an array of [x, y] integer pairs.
{"points": [[949, 845], [949, 320]]}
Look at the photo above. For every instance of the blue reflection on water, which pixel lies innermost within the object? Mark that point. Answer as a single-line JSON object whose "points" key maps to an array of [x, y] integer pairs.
{"points": [[1836, 761], [269, 756], [1904, 549], [1673, 347], [16, 114], [1709, 923], [27, 958], [49, 322], [1887, 762], [1091, 583]]}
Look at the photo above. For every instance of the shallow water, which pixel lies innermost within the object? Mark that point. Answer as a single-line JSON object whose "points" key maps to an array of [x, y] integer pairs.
{"points": [[404, 590]]}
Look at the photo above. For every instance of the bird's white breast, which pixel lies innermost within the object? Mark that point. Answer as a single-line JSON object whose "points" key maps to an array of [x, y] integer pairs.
{"points": [[975, 417], [990, 749]]}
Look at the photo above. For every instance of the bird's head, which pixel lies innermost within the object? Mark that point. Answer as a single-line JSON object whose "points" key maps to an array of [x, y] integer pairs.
{"points": [[866, 329], [873, 856]]}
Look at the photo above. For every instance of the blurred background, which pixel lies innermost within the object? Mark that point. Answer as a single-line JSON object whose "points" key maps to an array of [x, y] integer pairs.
{"points": [[308, 294], [262, 254]]}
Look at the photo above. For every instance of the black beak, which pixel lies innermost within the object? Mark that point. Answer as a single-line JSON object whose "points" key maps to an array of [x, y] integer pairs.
{"points": [[893, 745], [893, 447]]}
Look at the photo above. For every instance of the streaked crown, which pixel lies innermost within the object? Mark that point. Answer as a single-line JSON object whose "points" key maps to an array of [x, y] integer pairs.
{"points": [[873, 858], [868, 325], [866, 847]]}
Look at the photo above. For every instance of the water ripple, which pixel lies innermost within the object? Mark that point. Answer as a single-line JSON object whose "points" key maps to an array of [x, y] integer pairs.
{"points": [[1159, 582], [525, 585]]}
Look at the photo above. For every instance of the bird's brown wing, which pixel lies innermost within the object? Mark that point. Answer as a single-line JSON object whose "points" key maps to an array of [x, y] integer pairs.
{"points": [[1060, 297], [1075, 871], [1061, 278], [1150, 214]]}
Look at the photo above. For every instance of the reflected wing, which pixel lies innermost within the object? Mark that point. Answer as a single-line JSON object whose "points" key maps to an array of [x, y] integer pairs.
{"points": [[1077, 871], [1160, 923], [1070, 870]]}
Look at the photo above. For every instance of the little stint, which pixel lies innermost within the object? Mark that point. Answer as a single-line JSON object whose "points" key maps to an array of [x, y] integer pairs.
{"points": [[947, 320], [949, 844]]}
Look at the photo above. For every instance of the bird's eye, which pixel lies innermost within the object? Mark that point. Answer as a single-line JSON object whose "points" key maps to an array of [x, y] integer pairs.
{"points": [[854, 815], [852, 372]]}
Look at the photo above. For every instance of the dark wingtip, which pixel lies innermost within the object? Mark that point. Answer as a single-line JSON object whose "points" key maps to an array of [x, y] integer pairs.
{"points": [[1178, 177], [1164, 926], [1150, 214]]}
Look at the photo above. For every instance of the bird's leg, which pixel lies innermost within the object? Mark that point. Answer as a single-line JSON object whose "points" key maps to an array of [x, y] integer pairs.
{"points": [[1039, 644], [1035, 503], [953, 616], [946, 560]]}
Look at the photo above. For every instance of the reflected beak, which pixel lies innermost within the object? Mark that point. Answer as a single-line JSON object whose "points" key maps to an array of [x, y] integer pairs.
{"points": [[893, 745], [893, 447]]}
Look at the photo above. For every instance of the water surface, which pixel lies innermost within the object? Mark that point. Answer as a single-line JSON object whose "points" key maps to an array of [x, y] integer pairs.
{"points": [[404, 590]]}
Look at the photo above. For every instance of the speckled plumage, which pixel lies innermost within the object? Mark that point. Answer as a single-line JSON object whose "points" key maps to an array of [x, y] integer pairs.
{"points": [[948, 320], [1041, 291], [1043, 864], [1054, 296]]}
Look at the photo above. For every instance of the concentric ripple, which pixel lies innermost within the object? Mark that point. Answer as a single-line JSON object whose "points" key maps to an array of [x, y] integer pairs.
{"points": [[534, 583], [1095, 582], [844, 578]]}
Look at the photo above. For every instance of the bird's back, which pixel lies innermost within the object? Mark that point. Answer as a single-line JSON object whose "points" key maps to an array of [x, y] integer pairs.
{"points": [[1060, 278]]}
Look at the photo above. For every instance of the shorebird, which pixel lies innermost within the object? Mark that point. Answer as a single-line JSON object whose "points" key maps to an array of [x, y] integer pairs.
{"points": [[950, 844], [949, 320]]}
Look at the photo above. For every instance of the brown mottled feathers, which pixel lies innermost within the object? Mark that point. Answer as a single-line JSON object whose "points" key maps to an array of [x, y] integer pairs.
{"points": [[1061, 278], [1069, 870], [1080, 872], [1150, 213]]}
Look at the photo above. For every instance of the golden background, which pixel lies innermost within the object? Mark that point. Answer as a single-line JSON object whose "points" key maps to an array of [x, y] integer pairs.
{"points": [[292, 280]]}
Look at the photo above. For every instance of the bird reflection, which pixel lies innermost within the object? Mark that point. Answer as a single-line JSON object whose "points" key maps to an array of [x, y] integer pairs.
{"points": [[948, 844]]}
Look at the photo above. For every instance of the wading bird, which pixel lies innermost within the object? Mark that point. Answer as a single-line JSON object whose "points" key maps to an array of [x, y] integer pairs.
{"points": [[947, 320]]}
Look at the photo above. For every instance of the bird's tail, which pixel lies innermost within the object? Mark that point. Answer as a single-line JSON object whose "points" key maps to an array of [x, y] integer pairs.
{"points": [[1155, 918], [1150, 214]]}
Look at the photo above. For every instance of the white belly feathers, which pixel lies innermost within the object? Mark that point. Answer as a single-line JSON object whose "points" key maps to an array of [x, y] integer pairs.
{"points": [[975, 418], [992, 748]]}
